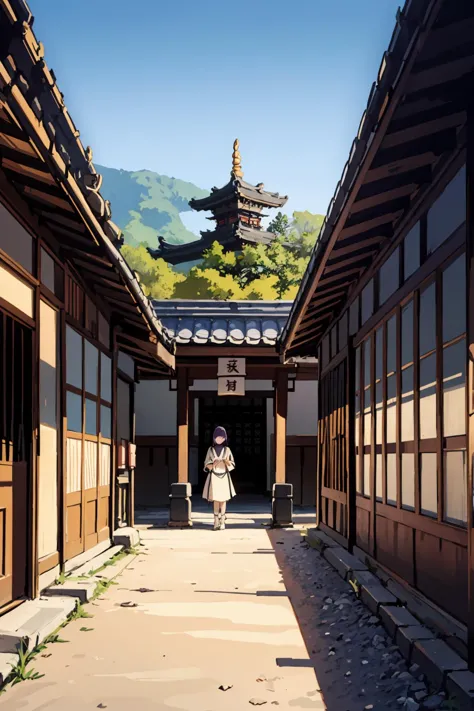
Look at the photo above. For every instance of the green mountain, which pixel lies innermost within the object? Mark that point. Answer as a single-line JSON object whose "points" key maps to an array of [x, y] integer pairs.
{"points": [[146, 204]]}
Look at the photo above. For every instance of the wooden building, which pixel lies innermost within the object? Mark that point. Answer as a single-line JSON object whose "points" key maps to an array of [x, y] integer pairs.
{"points": [[272, 425], [387, 305], [75, 333], [237, 212]]}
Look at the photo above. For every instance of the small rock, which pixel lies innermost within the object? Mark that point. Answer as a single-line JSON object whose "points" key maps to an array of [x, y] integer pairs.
{"points": [[365, 661], [257, 702], [405, 675], [368, 707], [433, 702], [373, 620], [101, 706], [420, 695], [411, 705], [414, 669], [348, 673], [128, 604], [225, 687], [401, 700]]}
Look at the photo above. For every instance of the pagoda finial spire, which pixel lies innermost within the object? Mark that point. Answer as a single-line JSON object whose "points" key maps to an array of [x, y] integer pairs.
{"points": [[237, 171]]}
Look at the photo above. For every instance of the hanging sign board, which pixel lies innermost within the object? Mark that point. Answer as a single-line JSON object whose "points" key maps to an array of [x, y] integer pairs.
{"points": [[231, 385], [231, 367]]}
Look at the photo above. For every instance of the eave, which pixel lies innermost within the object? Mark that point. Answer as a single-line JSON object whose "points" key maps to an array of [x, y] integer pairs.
{"points": [[413, 125], [43, 161]]}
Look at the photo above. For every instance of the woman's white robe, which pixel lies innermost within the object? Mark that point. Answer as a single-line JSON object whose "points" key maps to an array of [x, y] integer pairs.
{"points": [[219, 486]]}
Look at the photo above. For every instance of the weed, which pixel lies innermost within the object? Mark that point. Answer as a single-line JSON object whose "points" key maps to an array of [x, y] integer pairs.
{"points": [[55, 639], [102, 587], [86, 629], [19, 672], [355, 586], [61, 579], [78, 613]]}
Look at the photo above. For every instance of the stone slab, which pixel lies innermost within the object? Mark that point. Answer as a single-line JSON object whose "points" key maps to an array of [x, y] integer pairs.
{"points": [[82, 590], [376, 595], [7, 661], [405, 638], [460, 685], [83, 558], [320, 540], [363, 577], [436, 660], [127, 537], [343, 561], [48, 578], [111, 571], [32, 622], [97, 562], [394, 617]]}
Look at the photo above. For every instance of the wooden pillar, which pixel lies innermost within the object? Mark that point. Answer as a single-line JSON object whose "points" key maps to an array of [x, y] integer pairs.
{"points": [[183, 425], [281, 412], [132, 388], [113, 458], [470, 383]]}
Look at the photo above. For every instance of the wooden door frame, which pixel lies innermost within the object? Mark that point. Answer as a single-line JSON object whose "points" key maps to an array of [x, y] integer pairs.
{"points": [[31, 577], [201, 394]]}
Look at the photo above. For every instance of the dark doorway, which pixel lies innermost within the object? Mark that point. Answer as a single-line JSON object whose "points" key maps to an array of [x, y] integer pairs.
{"points": [[244, 418], [15, 455]]}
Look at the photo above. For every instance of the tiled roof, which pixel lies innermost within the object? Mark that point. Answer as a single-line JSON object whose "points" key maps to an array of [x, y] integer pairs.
{"points": [[239, 188], [248, 323]]}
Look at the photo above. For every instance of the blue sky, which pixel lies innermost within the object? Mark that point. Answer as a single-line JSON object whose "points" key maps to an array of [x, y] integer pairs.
{"points": [[167, 85]]}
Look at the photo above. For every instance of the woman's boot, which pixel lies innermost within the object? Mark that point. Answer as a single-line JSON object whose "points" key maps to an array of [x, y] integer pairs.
{"points": [[222, 522], [217, 522]]}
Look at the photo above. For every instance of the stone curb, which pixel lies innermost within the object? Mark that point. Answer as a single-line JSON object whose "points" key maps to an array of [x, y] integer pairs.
{"points": [[35, 620], [442, 666]]}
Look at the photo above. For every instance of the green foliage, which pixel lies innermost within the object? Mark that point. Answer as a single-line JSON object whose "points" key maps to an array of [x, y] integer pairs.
{"points": [[146, 204], [78, 613], [19, 670], [158, 279], [279, 225], [260, 272]]}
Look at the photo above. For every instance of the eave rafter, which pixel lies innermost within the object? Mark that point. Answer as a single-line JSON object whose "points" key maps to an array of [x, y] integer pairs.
{"points": [[421, 119]]}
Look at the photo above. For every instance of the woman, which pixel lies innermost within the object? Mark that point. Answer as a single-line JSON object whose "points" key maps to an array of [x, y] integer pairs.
{"points": [[219, 488]]}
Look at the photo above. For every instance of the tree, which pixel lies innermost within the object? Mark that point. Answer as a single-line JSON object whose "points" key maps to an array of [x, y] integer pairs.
{"points": [[279, 225], [157, 278], [261, 272]]}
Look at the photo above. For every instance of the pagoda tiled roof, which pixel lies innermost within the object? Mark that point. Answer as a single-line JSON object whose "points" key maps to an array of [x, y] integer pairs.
{"points": [[230, 237], [239, 188]]}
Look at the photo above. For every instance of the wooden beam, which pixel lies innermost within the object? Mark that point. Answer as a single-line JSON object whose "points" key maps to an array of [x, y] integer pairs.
{"points": [[183, 425], [470, 388], [281, 413]]}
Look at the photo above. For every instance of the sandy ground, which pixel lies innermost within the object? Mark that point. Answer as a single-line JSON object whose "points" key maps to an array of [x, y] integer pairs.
{"points": [[217, 620]]}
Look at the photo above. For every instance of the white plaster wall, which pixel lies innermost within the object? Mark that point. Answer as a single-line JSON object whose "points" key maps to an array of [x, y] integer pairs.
{"points": [[303, 408], [126, 364], [155, 409]]}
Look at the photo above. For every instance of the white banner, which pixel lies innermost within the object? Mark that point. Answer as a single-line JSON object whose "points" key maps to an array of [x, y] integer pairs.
{"points": [[232, 367], [231, 385]]}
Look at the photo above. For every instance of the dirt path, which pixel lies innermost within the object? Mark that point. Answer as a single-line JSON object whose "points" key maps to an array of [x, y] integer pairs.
{"points": [[209, 624]]}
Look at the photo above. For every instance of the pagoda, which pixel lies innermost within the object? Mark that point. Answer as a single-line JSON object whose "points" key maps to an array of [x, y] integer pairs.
{"points": [[237, 211]]}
